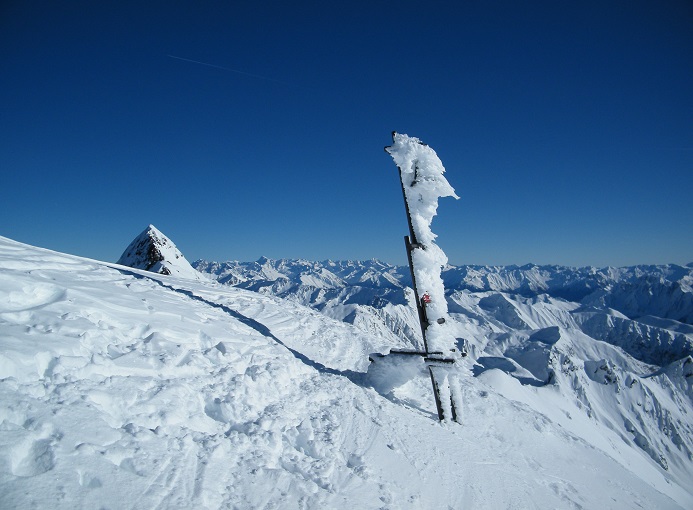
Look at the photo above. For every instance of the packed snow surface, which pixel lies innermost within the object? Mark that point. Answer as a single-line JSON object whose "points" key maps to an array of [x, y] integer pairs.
{"points": [[122, 388]]}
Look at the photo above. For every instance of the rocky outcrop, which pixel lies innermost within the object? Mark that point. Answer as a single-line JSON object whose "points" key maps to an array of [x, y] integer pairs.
{"points": [[154, 252]]}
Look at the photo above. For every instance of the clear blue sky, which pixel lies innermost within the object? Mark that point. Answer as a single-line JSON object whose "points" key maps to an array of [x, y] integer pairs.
{"points": [[243, 129]]}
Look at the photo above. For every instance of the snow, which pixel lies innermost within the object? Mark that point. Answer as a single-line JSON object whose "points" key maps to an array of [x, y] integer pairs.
{"points": [[123, 388], [423, 183], [542, 341]]}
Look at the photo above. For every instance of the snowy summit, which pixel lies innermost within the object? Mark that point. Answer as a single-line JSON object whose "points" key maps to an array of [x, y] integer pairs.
{"points": [[122, 388], [153, 251]]}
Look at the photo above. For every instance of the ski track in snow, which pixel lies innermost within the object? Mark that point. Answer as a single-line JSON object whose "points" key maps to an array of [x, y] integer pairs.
{"points": [[127, 390]]}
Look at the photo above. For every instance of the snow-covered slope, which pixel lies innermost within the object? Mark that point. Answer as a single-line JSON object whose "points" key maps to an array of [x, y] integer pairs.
{"points": [[153, 251], [521, 321], [123, 388]]}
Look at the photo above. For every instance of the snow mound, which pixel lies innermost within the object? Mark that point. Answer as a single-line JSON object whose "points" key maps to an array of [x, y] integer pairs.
{"points": [[153, 251]]}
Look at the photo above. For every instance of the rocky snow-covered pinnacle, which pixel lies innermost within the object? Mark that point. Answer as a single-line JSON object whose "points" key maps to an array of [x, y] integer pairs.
{"points": [[423, 184], [153, 251]]}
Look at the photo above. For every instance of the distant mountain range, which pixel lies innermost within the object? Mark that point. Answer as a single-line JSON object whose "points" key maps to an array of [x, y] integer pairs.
{"points": [[664, 291]]}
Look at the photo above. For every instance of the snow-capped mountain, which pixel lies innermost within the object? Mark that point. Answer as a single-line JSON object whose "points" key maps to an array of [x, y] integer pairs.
{"points": [[660, 298], [327, 274], [123, 388], [152, 251], [616, 339], [636, 291]]}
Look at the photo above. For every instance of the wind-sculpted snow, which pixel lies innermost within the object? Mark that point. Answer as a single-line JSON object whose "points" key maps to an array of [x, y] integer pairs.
{"points": [[122, 388]]}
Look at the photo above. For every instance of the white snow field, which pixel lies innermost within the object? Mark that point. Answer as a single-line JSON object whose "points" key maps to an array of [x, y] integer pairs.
{"points": [[127, 389]]}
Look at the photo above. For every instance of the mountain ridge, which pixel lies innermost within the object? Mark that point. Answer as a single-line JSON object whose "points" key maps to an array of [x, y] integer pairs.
{"points": [[189, 390], [625, 289], [152, 251]]}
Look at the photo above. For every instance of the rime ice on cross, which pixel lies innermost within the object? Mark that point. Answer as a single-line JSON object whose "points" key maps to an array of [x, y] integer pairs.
{"points": [[423, 184]]}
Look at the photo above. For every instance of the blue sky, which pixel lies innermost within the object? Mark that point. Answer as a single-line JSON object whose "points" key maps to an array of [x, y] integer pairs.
{"points": [[243, 129]]}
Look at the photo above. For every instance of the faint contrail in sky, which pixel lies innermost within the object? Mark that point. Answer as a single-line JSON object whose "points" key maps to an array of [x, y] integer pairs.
{"points": [[227, 69]]}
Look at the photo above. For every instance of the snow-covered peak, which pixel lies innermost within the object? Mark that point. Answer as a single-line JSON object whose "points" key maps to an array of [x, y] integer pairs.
{"points": [[153, 251]]}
